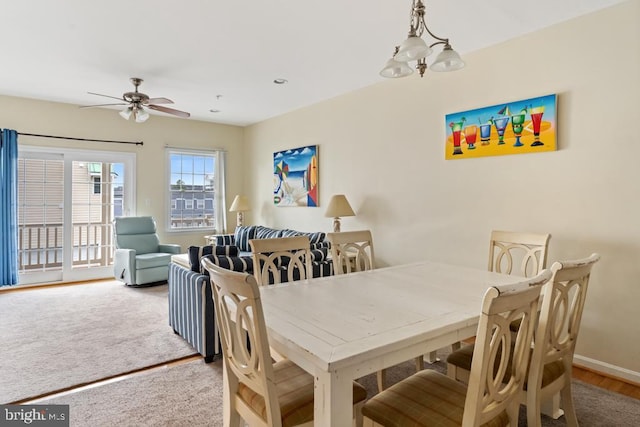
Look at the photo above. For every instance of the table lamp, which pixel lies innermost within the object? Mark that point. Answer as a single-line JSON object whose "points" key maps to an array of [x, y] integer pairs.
{"points": [[240, 204], [338, 207]]}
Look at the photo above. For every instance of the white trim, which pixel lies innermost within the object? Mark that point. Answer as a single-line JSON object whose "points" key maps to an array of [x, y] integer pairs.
{"points": [[606, 368]]}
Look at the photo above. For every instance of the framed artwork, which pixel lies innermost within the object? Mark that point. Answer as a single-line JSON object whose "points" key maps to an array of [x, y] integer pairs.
{"points": [[526, 126], [295, 177]]}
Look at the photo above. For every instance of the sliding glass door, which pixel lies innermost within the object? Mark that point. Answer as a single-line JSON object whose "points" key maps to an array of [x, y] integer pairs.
{"points": [[66, 204]]}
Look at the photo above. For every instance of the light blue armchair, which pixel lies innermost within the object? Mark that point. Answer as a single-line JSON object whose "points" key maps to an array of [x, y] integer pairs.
{"points": [[140, 258]]}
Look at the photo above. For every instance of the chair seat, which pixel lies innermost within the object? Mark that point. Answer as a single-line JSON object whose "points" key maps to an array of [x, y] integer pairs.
{"points": [[152, 260], [462, 359], [294, 388], [427, 398]]}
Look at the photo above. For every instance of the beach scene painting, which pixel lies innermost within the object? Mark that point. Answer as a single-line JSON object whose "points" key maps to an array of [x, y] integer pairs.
{"points": [[526, 126], [295, 177]]}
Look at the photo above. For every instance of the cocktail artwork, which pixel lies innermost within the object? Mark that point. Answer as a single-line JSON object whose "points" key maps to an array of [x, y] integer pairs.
{"points": [[517, 122], [485, 134], [470, 134], [536, 121], [456, 129], [513, 127], [501, 124]]}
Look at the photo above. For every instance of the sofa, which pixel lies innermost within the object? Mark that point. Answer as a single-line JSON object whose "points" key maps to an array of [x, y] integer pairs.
{"points": [[191, 312]]}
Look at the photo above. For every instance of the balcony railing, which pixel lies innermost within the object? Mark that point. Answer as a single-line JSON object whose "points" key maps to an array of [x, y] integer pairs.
{"points": [[41, 246]]}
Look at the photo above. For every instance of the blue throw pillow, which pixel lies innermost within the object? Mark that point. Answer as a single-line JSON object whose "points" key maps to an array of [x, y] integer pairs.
{"points": [[314, 238], [242, 236], [267, 233]]}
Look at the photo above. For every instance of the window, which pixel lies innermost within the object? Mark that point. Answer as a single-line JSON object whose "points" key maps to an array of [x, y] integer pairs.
{"points": [[196, 176], [96, 185]]}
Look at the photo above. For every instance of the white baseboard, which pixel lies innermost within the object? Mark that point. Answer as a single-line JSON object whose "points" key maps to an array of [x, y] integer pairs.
{"points": [[607, 368]]}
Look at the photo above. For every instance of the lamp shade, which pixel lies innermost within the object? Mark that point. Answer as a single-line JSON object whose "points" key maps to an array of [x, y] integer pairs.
{"points": [[395, 69], [141, 115], [412, 49], [126, 113], [448, 60], [339, 207], [240, 204]]}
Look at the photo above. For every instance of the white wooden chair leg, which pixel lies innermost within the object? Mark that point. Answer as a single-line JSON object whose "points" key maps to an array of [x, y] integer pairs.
{"points": [[569, 409], [381, 375], [551, 407], [419, 363], [432, 357]]}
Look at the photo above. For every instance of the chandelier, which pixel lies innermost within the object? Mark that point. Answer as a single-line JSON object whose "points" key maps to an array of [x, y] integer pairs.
{"points": [[414, 48]]}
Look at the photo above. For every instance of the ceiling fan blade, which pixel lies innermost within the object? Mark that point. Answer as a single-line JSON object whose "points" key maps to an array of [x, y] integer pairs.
{"points": [[159, 101], [108, 96], [169, 110], [102, 105]]}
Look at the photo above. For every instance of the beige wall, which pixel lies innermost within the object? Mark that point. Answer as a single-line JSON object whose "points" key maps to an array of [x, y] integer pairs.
{"points": [[30, 116], [383, 147]]}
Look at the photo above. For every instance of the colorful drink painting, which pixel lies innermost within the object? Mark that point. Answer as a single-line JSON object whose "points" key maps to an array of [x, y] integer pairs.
{"points": [[295, 177], [526, 126]]}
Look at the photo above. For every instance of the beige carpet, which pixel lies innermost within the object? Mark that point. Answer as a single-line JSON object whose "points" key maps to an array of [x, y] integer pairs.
{"points": [[191, 395], [58, 337]]}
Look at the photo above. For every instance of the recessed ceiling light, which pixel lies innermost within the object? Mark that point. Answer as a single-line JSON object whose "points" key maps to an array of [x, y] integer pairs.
{"points": [[213, 110], [280, 81]]}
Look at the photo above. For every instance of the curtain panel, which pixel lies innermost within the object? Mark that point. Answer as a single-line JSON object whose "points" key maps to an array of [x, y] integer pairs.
{"points": [[8, 207]]}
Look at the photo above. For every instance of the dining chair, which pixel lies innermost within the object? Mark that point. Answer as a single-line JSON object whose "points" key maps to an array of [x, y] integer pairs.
{"points": [[257, 390], [550, 370], [508, 249], [528, 251], [283, 259], [352, 251], [429, 398]]}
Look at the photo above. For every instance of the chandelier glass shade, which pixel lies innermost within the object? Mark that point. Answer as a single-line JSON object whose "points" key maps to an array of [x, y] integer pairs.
{"points": [[140, 115], [415, 48]]}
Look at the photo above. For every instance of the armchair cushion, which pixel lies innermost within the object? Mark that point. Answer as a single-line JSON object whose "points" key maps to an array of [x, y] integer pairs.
{"points": [[152, 260]]}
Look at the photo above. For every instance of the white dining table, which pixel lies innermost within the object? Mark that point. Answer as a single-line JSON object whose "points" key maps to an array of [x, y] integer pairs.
{"points": [[344, 327]]}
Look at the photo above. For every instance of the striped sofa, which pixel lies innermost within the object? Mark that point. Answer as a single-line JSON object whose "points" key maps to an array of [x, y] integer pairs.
{"points": [[191, 313]]}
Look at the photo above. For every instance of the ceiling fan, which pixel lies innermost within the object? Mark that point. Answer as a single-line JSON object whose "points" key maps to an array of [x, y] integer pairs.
{"points": [[136, 101]]}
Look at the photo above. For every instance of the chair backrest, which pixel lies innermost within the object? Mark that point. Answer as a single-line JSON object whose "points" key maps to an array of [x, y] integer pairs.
{"points": [[560, 315], [136, 232], [284, 259], [352, 251], [243, 335], [492, 388], [509, 248]]}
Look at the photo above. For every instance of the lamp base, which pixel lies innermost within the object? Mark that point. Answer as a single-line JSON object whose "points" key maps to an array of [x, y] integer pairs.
{"points": [[336, 225], [239, 219]]}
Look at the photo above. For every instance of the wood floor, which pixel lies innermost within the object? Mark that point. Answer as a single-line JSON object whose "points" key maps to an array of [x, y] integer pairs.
{"points": [[607, 382]]}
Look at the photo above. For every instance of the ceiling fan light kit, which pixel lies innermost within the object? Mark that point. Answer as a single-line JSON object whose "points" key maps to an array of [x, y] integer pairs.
{"points": [[136, 101], [414, 48]]}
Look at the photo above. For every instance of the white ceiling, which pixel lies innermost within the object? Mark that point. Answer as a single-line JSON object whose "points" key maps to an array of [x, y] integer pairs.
{"points": [[191, 51]]}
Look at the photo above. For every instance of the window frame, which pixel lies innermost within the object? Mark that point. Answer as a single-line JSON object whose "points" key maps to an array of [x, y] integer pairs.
{"points": [[218, 182]]}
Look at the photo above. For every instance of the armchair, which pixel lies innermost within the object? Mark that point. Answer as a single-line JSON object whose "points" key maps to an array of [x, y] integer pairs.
{"points": [[140, 258]]}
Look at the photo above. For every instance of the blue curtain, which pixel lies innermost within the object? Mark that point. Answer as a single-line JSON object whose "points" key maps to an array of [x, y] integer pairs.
{"points": [[8, 207]]}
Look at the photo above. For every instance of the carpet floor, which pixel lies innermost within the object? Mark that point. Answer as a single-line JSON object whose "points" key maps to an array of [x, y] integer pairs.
{"points": [[190, 394], [58, 337]]}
